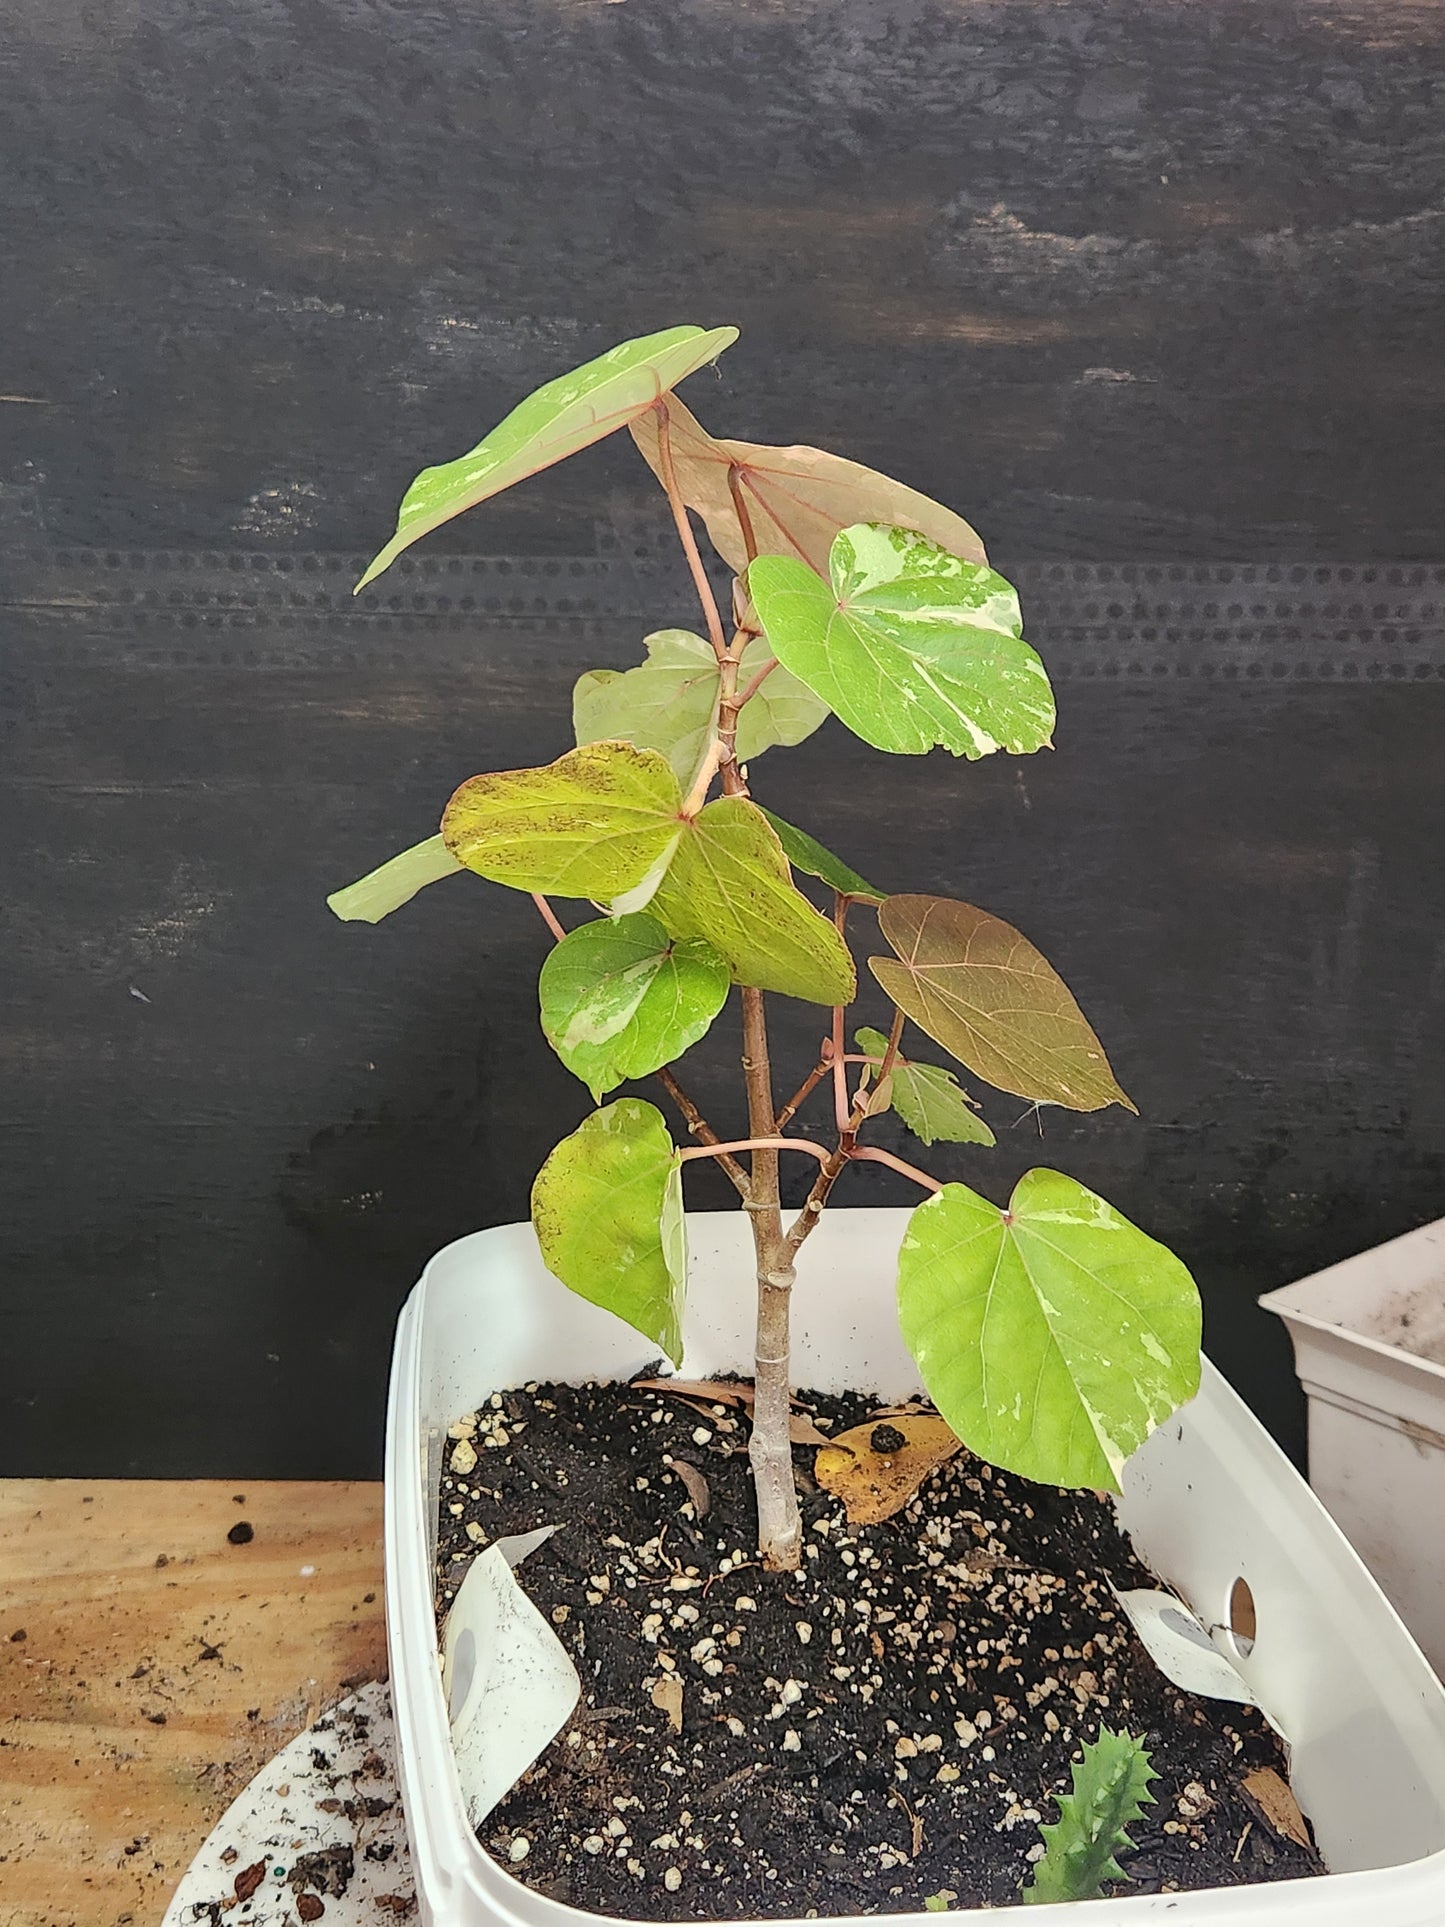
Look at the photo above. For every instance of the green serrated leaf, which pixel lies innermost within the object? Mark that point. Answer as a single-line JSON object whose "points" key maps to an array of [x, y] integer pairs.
{"points": [[377, 894], [669, 703], [557, 420], [981, 990], [607, 1210], [600, 821], [620, 999], [807, 854], [910, 646], [1053, 1336], [796, 499], [929, 1099], [1110, 1790], [729, 883]]}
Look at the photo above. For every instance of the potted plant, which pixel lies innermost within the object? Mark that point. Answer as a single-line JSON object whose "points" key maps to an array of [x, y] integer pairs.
{"points": [[1369, 1346], [1047, 1334]]}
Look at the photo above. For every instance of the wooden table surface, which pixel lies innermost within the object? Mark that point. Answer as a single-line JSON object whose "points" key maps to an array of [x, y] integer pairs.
{"points": [[148, 1667]]}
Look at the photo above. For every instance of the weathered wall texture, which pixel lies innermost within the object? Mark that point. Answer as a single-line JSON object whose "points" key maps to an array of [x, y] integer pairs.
{"points": [[1150, 292]]}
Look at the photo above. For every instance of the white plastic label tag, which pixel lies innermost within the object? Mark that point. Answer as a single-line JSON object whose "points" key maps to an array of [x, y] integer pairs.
{"points": [[1181, 1647]]}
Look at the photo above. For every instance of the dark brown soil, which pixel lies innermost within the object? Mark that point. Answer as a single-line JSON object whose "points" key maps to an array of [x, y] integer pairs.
{"points": [[886, 1725]]}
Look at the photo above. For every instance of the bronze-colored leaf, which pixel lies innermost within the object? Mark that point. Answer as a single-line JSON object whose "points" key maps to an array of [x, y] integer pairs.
{"points": [[1271, 1798], [995, 1003], [795, 499], [249, 1879], [875, 1468]]}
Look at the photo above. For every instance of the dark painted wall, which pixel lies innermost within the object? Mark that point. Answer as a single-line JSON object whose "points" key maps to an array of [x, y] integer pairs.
{"points": [[1149, 292]]}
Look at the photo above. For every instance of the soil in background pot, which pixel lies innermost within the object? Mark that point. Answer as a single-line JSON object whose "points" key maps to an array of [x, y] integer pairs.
{"points": [[886, 1725]]}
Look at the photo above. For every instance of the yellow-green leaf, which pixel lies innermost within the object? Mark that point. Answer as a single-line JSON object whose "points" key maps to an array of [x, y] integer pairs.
{"points": [[729, 882], [807, 854], [796, 499], [620, 998], [599, 822], [383, 890], [1053, 1336], [930, 1100], [908, 645], [557, 420], [607, 1211], [981, 990]]}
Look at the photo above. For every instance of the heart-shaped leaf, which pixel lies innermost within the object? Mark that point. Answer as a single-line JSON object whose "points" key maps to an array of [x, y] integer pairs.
{"points": [[929, 1099], [983, 992], [555, 421], [669, 703], [1053, 1336], [600, 821], [729, 883], [795, 499], [909, 645], [377, 894], [620, 999], [607, 1210], [807, 854]]}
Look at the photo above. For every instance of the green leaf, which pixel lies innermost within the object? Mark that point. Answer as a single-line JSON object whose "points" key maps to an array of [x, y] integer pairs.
{"points": [[805, 853], [928, 1098], [560, 418], [377, 894], [729, 883], [993, 1002], [910, 646], [669, 703], [1053, 1336], [620, 999], [599, 822], [1111, 1789], [607, 1210], [796, 499]]}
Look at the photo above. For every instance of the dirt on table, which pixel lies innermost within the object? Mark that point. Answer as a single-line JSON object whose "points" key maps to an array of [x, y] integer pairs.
{"points": [[881, 1728]]}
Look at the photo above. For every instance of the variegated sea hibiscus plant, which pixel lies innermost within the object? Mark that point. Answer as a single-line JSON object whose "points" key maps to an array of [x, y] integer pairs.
{"points": [[1051, 1333]]}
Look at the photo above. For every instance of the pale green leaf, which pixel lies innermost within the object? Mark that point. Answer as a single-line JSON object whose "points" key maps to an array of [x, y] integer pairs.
{"points": [[669, 703], [909, 645], [607, 1210], [1053, 1336], [993, 1002], [807, 854], [376, 895], [729, 883], [620, 999], [600, 821], [796, 499], [557, 420], [1110, 1790], [929, 1099]]}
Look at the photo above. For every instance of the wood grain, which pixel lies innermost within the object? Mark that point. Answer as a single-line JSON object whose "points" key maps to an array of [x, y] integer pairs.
{"points": [[148, 1667]]}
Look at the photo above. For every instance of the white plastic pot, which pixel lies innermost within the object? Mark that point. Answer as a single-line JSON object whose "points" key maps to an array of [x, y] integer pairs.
{"points": [[1209, 1500], [1377, 1414]]}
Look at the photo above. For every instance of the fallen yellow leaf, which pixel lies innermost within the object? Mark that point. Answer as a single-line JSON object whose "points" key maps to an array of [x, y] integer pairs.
{"points": [[876, 1468], [1272, 1799]]}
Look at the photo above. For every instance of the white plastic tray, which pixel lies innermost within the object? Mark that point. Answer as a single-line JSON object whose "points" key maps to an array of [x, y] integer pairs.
{"points": [[1209, 1499]]}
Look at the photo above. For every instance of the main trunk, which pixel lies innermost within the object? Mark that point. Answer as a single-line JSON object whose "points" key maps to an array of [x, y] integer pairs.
{"points": [[780, 1529]]}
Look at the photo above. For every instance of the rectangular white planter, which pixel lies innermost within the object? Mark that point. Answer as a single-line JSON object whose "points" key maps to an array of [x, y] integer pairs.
{"points": [[1377, 1414], [1208, 1500]]}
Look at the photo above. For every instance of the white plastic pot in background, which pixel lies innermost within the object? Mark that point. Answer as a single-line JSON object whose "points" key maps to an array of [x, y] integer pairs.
{"points": [[1209, 1500], [1369, 1347]]}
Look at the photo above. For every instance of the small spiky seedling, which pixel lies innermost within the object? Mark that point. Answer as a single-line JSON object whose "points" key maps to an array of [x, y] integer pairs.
{"points": [[1111, 1788], [1052, 1334]]}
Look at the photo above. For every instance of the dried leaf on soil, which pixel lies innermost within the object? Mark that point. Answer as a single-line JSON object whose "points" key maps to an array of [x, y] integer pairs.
{"points": [[876, 1468], [1272, 1799], [667, 1698], [697, 1486]]}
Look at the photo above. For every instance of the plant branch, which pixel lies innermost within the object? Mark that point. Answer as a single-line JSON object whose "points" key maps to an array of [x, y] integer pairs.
{"points": [[758, 680], [756, 1144], [871, 1154], [703, 1131], [548, 915], [685, 534], [809, 1084], [740, 509]]}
